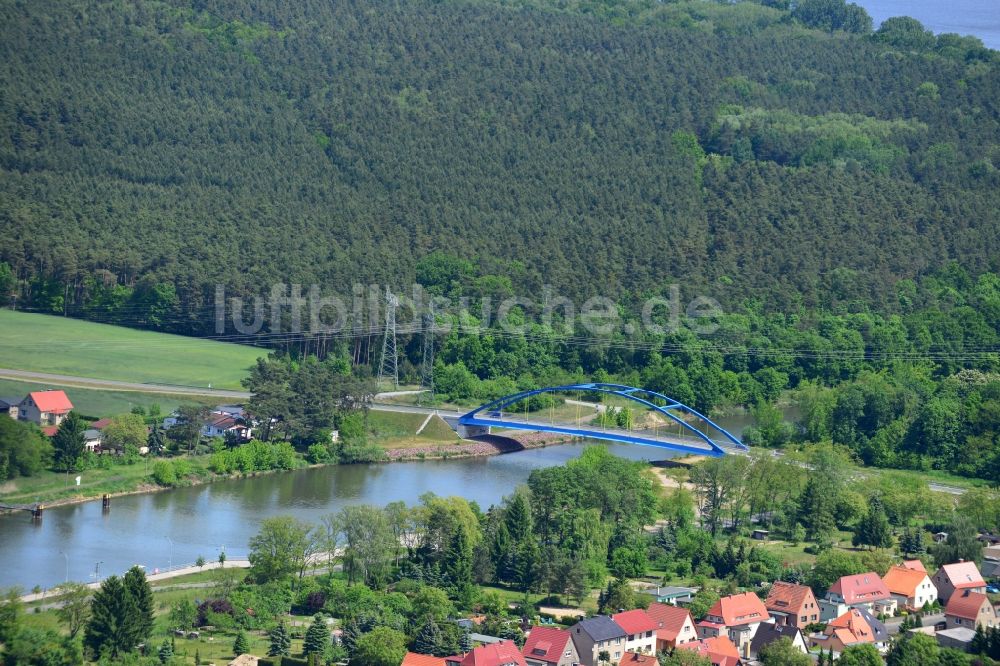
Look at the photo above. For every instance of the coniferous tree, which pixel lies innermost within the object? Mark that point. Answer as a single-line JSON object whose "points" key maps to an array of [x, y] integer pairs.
{"points": [[428, 640], [350, 635], [317, 637], [110, 630], [874, 529], [281, 642], [166, 651], [142, 597], [466, 642], [68, 443], [242, 644], [458, 560]]}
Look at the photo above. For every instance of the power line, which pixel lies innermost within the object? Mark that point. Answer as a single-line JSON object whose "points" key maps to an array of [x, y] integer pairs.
{"points": [[389, 367]]}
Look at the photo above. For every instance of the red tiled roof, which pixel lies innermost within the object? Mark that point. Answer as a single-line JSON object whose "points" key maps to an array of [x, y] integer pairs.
{"points": [[634, 621], [903, 580], [101, 424], [496, 654], [546, 644], [637, 659], [50, 431], [861, 588], [963, 575], [966, 604], [737, 609], [788, 597], [719, 650], [416, 659], [670, 619], [916, 565], [51, 401]]}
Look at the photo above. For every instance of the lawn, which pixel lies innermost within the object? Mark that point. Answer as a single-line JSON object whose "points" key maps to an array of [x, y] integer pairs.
{"points": [[394, 430], [45, 343], [50, 486], [99, 403]]}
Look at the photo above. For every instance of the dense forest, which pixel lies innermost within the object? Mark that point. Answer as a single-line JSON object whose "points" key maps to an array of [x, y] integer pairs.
{"points": [[834, 187], [164, 147]]}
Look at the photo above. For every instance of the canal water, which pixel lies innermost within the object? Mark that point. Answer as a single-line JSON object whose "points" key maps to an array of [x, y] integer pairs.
{"points": [[174, 527]]}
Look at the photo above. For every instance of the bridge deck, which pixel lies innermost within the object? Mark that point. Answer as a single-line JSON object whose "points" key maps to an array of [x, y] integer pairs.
{"points": [[655, 438]]}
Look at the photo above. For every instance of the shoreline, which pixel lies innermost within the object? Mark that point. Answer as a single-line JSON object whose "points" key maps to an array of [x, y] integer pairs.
{"points": [[489, 445]]}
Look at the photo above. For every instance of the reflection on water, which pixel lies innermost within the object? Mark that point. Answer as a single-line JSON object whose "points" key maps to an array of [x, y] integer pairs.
{"points": [[176, 527]]}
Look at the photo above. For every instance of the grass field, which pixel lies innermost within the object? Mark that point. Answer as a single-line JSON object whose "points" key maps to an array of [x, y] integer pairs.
{"points": [[49, 486], [397, 430], [96, 402], [44, 343]]}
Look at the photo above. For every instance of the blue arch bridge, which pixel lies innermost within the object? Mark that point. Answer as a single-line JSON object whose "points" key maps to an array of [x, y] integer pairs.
{"points": [[683, 428]]}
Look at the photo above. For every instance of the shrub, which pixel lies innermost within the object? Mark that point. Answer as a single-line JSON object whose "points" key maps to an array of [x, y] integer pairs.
{"points": [[164, 474]]}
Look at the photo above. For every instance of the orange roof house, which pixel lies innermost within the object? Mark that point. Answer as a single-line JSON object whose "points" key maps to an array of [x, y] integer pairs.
{"points": [[853, 627], [971, 610], [733, 611], [417, 659], [720, 650], [910, 587], [792, 605], [634, 621], [916, 565], [675, 625], [636, 659]]}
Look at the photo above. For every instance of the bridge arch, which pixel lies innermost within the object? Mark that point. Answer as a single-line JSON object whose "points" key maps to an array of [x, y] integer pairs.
{"points": [[700, 442]]}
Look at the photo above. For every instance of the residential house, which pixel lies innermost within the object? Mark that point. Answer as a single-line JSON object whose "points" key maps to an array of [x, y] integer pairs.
{"points": [[768, 633], [719, 650], [549, 646], [640, 630], [916, 565], [9, 406], [223, 421], [416, 659], [958, 576], [92, 440], [675, 626], [854, 627], [670, 595], [46, 408], [503, 653], [910, 587], [792, 605], [864, 590], [736, 617], [970, 609], [598, 634], [638, 659]]}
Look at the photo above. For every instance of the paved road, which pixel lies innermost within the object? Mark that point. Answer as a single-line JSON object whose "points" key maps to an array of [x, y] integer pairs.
{"points": [[929, 620], [115, 385]]}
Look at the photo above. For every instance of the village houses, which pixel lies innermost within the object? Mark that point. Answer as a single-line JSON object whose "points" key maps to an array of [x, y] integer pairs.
{"points": [[910, 586], [792, 605], [958, 576]]}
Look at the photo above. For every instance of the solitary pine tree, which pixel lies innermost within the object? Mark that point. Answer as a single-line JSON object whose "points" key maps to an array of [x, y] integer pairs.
{"points": [[142, 597], [281, 642], [458, 560], [466, 642], [317, 637], [110, 630], [241, 645], [166, 652]]}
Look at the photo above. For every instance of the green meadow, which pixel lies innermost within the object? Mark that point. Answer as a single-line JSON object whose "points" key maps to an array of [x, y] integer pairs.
{"points": [[59, 345]]}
